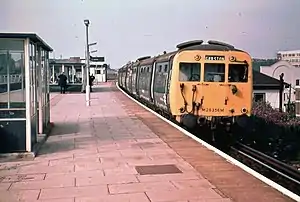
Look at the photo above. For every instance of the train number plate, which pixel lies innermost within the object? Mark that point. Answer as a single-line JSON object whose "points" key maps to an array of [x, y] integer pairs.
{"points": [[213, 109]]}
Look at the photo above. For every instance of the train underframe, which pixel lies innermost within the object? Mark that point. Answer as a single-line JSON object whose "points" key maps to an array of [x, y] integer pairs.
{"points": [[218, 131]]}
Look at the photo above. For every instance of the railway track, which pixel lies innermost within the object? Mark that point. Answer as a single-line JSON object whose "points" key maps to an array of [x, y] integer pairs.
{"points": [[279, 172]]}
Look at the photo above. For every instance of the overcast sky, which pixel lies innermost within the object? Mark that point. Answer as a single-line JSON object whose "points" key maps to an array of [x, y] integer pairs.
{"points": [[127, 29]]}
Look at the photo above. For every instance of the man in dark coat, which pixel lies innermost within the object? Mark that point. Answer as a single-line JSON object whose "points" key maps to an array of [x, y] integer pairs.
{"points": [[62, 82], [91, 80]]}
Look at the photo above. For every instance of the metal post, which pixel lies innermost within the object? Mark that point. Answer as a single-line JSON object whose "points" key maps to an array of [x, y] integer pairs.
{"points": [[53, 71], [39, 89], [22, 77], [87, 89], [27, 54], [73, 73], [288, 109], [83, 78], [8, 78], [281, 91]]}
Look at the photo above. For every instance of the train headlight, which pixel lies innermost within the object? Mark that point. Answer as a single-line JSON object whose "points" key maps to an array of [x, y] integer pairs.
{"points": [[244, 110], [234, 89], [232, 59]]}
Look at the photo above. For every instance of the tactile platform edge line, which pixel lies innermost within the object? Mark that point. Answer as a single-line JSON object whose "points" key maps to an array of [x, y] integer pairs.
{"points": [[220, 153]]}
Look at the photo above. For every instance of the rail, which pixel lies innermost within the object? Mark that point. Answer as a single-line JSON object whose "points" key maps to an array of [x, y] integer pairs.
{"points": [[291, 174]]}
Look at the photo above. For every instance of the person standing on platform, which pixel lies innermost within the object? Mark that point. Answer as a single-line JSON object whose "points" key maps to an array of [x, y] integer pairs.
{"points": [[62, 82], [91, 80]]}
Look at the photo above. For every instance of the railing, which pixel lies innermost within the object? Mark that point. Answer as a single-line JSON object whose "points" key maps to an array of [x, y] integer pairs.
{"points": [[15, 78]]}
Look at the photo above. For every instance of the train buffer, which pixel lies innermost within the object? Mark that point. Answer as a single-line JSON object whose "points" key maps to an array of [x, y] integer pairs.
{"points": [[111, 151]]}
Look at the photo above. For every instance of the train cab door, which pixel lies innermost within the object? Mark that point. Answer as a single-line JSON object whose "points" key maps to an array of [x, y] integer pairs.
{"points": [[169, 76], [137, 80], [214, 90], [134, 77], [153, 80], [130, 78]]}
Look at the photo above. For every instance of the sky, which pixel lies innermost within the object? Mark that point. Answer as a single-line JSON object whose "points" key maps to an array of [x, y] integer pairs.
{"points": [[127, 29]]}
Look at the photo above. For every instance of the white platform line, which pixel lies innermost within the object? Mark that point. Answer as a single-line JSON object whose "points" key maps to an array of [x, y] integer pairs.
{"points": [[222, 154]]}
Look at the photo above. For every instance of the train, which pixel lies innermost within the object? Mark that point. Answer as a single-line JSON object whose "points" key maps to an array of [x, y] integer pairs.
{"points": [[199, 86]]}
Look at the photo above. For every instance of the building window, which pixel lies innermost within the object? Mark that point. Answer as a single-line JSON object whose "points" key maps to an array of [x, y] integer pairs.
{"points": [[259, 97], [285, 96], [297, 82], [97, 71]]}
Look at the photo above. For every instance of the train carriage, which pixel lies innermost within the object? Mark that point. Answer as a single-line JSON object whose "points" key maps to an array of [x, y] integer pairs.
{"points": [[199, 84], [161, 80]]}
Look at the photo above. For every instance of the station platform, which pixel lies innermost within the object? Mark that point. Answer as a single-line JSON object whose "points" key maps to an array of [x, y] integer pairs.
{"points": [[117, 151]]}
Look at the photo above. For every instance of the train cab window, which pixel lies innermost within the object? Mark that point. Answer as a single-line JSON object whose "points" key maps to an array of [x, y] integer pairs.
{"points": [[214, 72], [189, 71], [238, 73]]}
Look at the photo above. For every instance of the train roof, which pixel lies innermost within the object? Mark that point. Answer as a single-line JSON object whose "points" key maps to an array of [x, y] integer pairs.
{"points": [[211, 45]]}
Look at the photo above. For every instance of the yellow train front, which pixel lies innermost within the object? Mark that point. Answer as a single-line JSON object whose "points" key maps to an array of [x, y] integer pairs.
{"points": [[211, 84]]}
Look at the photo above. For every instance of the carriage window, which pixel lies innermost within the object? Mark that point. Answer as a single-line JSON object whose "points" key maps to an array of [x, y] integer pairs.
{"points": [[214, 72], [189, 71], [238, 73], [166, 68], [159, 68]]}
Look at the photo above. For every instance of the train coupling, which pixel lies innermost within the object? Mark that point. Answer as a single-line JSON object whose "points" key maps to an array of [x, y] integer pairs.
{"points": [[227, 124], [201, 120]]}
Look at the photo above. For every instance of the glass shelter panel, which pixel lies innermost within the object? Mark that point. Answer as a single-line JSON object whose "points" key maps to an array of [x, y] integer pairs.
{"points": [[12, 79], [47, 89], [44, 105], [33, 92], [12, 95]]}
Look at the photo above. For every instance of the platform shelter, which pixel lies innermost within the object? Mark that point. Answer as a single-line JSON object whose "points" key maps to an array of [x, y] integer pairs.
{"points": [[24, 91], [73, 68]]}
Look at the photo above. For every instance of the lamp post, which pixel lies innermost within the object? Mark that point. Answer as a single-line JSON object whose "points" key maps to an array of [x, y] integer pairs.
{"points": [[87, 88]]}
